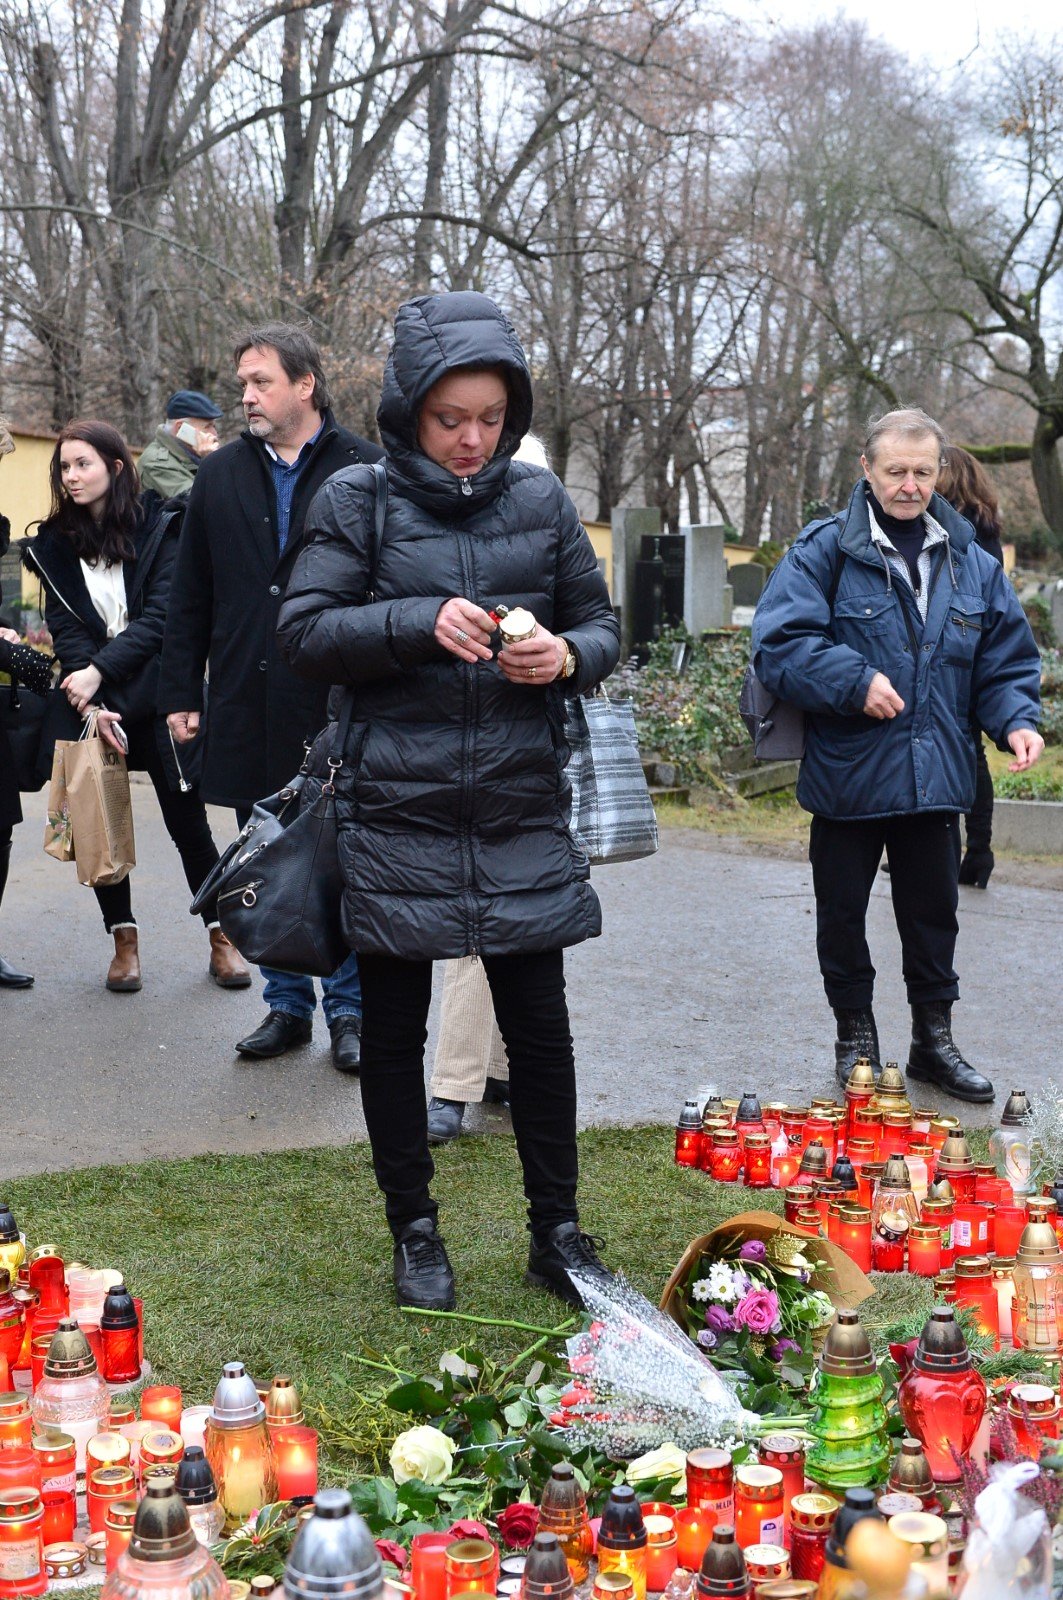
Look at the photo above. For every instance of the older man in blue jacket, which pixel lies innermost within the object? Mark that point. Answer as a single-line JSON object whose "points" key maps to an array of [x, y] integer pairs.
{"points": [[891, 628]]}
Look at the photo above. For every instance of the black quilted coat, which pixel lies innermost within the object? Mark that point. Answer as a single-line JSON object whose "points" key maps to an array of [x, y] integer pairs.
{"points": [[454, 805]]}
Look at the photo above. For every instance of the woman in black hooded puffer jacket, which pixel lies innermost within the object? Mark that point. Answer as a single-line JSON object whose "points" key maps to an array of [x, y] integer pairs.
{"points": [[453, 801]]}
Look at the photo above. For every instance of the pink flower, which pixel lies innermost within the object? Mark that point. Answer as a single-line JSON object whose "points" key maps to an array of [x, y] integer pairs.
{"points": [[758, 1311]]}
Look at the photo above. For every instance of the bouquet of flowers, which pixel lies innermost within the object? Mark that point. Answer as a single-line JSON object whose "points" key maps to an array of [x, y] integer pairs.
{"points": [[758, 1296]]}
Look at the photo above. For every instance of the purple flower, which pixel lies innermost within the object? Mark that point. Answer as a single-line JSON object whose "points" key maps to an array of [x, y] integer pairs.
{"points": [[719, 1320], [707, 1339], [753, 1250], [781, 1347]]}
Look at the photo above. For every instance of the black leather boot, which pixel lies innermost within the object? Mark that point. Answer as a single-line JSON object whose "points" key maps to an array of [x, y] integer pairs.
{"points": [[276, 1033], [975, 868], [346, 1035], [423, 1274], [10, 977], [935, 1058], [857, 1036], [551, 1255]]}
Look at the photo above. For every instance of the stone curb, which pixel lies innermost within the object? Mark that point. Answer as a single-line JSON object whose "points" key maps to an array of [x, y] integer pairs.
{"points": [[1030, 827]]}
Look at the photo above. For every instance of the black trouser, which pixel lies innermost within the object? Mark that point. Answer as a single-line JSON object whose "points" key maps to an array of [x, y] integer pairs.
{"points": [[980, 817], [924, 858], [186, 822], [528, 992]]}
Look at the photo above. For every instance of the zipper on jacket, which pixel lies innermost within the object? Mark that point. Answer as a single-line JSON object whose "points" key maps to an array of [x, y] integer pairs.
{"points": [[31, 556], [465, 809], [466, 486], [182, 782]]}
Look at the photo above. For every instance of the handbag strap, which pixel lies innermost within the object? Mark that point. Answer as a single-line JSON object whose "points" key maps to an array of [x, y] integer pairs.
{"points": [[343, 722]]}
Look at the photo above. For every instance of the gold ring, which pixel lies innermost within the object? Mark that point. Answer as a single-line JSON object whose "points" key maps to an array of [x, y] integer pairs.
{"points": [[531, 672]]}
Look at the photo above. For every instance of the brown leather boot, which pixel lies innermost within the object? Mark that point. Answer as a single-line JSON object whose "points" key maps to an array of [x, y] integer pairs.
{"points": [[123, 975], [227, 967]]}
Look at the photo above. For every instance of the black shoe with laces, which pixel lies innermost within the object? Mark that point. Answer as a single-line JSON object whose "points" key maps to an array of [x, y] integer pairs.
{"points": [[551, 1255], [936, 1058], [423, 1274], [857, 1036]]}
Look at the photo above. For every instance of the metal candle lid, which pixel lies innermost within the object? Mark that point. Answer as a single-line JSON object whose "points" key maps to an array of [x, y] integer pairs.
{"points": [[162, 1531], [8, 1226], [689, 1117], [862, 1077], [896, 1175], [723, 1566], [814, 1160], [956, 1153], [333, 1553], [749, 1108], [195, 1481], [941, 1189], [546, 1571], [847, 1351], [283, 1404], [1038, 1242], [910, 1471], [813, 1513], [1018, 1110], [69, 1354], [118, 1308], [844, 1174], [236, 1400], [942, 1347], [516, 624]]}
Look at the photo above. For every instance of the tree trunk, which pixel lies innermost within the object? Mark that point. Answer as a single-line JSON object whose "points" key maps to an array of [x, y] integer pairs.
{"points": [[439, 92], [1047, 470]]}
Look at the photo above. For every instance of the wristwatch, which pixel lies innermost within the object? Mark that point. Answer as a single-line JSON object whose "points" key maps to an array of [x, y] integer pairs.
{"points": [[568, 666]]}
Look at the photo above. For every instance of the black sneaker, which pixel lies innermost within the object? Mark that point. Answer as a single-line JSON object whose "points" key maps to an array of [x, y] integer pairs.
{"points": [[423, 1274], [445, 1118], [552, 1255]]}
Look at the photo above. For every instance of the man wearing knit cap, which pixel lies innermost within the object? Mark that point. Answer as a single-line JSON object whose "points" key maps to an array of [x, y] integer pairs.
{"points": [[190, 432], [891, 628]]}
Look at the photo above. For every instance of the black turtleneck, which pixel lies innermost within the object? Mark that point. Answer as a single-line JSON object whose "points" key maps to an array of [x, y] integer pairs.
{"points": [[906, 537]]}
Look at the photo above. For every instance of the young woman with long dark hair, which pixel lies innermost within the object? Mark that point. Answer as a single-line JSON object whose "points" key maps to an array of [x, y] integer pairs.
{"points": [[105, 556]]}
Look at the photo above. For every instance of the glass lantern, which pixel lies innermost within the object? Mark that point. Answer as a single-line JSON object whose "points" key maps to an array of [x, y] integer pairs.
{"points": [[1038, 1277], [942, 1399], [164, 1560], [1010, 1145], [238, 1447], [71, 1395]]}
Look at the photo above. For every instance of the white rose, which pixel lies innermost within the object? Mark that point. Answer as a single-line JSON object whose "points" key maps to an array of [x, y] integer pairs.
{"points": [[666, 1462], [423, 1453]]}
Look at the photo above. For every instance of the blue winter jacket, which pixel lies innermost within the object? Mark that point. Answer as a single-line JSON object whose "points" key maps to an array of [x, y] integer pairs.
{"points": [[975, 655]]}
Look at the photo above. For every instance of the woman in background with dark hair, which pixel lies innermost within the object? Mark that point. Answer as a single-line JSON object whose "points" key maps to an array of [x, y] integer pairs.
{"points": [[105, 557], [965, 485]]}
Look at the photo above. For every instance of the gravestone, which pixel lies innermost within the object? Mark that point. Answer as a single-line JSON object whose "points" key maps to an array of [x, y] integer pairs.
{"points": [[747, 581], [658, 588], [707, 593], [1052, 595], [630, 525]]}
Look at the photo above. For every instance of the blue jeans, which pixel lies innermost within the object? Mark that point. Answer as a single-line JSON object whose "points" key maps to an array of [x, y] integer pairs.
{"points": [[293, 993]]}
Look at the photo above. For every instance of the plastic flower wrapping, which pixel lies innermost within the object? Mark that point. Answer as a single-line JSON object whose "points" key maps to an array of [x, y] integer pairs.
{"points": [[642, 1382]]}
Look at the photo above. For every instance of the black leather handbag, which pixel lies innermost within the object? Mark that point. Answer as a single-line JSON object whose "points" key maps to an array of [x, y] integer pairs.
{"points": [[279, 885]]}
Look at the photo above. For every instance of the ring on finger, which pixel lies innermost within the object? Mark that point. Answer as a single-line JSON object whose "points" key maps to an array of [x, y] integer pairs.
{"points": [[532, 671], [461, 636]]}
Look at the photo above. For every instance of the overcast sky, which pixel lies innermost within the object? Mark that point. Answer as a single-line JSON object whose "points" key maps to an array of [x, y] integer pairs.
{"points": [[942, 31]]}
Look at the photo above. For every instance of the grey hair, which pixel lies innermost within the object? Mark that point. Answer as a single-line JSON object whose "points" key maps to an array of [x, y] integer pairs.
{"points": [[911, 422], [299, 355]]}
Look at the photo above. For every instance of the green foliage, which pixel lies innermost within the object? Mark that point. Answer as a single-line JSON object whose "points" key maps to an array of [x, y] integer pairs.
{"points": [[1039, 783], [1040, 619], [769, 554], [687, 719]]}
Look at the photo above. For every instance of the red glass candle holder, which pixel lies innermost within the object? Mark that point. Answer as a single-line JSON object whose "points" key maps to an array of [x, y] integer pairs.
{"points": [[710, 1486], [57, 1454], [941, 1214], [758, 1506], [896, 1134], [786, 1453], [121, 1515], [785, 1166], [811, 1519], [867, 1179], [428, 1564], [818, 1126], [793, 1120], [797, 1197], [693, 1532], [295, 1449], [22, 1570], [39, 1347], [889, 1241], [48, 1278], [1034, 1410], [160, 1447], [854, 1234], [469, 1566], [867, 1124], [688, 1136], [941, 1398], [16, 1426], [1009, 1220], [726, 1159], [20, 1465], [60, 1516], [970, 1229], [161, 1403], [105, 1485], [976, 1290], [924, 1249], [757, 1157]]}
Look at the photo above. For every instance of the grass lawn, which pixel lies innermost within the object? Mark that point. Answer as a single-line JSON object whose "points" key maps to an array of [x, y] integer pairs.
{"points": [[283, 1261]]}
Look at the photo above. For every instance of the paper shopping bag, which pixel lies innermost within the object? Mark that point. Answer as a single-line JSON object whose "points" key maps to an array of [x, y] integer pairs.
{"points": [[101, 811], [58, 836]]}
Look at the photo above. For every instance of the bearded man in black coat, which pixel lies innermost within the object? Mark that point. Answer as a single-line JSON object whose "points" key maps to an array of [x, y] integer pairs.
{"points": [[242, 532]]}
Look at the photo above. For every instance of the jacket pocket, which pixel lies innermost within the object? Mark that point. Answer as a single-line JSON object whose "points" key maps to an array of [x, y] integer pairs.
{"points": [[864, 615], [963, 630]]}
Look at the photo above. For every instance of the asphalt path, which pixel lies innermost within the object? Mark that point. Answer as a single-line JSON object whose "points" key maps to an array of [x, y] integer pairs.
{"points": [[706, 972]]}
